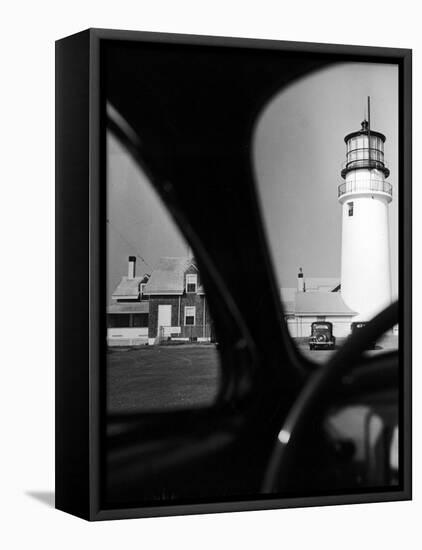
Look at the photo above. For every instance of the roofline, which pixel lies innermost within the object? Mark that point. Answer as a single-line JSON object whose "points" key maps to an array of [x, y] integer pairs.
{"points": [[164, 293], [319, 313], [125, 312], [125, 296], [129, 309]]}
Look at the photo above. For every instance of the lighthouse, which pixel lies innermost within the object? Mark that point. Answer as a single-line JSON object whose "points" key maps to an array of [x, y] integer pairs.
{"points": [[364, 197]]}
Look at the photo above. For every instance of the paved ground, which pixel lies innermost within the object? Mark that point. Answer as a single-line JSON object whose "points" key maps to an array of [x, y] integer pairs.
{"points": [[387, 343], [167, 377]]}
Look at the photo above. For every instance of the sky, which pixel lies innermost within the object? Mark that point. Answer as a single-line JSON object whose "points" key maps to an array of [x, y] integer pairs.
{"points": [[298, 151], [137, 222], [298, 154]]}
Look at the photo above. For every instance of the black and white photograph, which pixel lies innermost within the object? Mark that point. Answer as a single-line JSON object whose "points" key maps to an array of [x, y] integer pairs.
{"points": [[210, 250], [252, 277]]}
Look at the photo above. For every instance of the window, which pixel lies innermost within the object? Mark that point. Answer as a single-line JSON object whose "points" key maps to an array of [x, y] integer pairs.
{"points": [[140, 319], [350, 206], [190, 315], [191, 282], [120, 320]]}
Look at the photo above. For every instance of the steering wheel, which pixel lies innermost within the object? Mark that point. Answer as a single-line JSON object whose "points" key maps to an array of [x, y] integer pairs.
{"points": [[320, 385]]}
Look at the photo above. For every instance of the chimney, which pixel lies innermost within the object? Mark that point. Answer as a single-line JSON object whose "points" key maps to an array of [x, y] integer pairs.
{"points": [[131, 267], [300, 281]]}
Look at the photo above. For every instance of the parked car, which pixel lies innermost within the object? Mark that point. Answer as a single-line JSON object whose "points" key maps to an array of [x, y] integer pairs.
{"points": [[322, 336]]}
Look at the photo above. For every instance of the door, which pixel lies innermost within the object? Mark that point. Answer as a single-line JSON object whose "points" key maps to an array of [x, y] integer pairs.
{"points": [[164, 317]]}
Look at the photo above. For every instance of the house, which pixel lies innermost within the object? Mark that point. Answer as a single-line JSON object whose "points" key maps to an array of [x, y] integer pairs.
{"points": [[316, 299], [177, 305], [127, 315], [168, 305]]}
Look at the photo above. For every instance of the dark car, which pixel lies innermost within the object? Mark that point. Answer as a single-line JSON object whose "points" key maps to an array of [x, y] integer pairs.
{"points": [[322, 336], [359, 325]]}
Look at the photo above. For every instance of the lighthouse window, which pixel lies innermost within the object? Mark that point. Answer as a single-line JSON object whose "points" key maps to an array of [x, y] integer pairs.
{"points": [[350, 207]]}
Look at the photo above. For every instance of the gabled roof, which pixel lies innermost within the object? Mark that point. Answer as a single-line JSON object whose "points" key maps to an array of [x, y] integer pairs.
{"points": [[321, 284], [321, 303], [127, 288], [168, 276]]}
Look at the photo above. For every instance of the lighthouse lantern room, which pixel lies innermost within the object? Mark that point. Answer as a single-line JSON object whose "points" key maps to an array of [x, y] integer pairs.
{"points": [[364, 196]]}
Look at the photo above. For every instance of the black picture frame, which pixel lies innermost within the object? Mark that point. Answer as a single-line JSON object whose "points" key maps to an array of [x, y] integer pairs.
{"points": [[80, 277]]}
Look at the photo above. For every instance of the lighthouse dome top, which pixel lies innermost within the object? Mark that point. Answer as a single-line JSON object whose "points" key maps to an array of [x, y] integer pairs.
{"points": [[364, 150], [364, 132]]}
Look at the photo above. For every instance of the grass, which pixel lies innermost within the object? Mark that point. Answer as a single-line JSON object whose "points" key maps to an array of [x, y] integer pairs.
{"points": [[161, 378]]}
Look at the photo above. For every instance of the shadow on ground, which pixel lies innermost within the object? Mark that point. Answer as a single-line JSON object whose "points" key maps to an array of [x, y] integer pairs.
{"points": [[45, 497]]}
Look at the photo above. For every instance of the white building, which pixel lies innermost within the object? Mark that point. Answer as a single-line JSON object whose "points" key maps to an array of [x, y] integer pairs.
{"points": [[365, 249], [128, 313], [316, 299]]}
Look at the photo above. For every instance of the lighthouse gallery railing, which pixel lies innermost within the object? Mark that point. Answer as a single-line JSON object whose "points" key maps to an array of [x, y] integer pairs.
{"points": [[365, 186]]}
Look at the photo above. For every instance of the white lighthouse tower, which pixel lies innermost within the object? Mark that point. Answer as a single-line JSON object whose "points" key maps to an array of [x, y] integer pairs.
{"points": [[364, 197]]}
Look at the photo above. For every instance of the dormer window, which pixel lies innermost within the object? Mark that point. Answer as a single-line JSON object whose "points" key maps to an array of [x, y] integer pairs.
{"points": [[191, 283]]}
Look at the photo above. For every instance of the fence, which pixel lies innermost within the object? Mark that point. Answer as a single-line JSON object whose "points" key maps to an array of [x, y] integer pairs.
{"points": [[191, 333], [364, 186]]}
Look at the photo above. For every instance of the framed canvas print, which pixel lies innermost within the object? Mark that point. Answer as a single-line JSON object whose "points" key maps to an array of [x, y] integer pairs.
{"points": [[233, 274]]}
